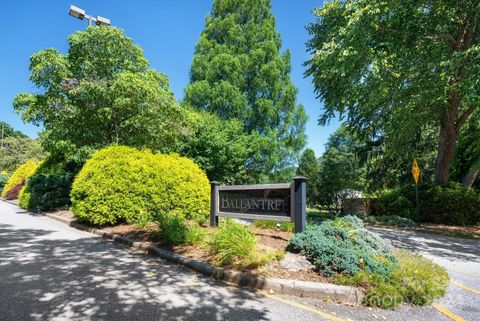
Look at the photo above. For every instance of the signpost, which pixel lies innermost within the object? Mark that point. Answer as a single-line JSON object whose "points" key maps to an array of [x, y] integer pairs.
{"points": [[277, 202], [416, 176]]}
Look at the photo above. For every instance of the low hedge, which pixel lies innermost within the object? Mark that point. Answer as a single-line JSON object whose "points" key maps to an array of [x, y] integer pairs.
{"points": [[125, 184], [451, 205], [19, 176]]}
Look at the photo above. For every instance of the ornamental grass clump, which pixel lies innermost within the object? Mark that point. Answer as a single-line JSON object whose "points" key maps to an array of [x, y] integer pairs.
{"points": [[344, 246], [123, 184]]}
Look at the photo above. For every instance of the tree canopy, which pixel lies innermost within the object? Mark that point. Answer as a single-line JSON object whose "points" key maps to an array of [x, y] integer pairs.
{"points": [[239, 72], [101, 92], [399, 68]]}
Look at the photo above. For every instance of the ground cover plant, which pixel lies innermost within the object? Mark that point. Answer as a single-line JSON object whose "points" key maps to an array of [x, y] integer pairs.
{"points": [[417, 281], [344, 249], [344, 246], [123, 184]]}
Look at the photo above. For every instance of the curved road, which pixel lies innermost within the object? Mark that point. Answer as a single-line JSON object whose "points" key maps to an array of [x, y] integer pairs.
{"points": [[50, 271]]}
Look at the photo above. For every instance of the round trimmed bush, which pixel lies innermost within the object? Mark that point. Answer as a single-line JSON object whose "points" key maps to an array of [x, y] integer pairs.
{"points": [[123, 184], [18, 177]]}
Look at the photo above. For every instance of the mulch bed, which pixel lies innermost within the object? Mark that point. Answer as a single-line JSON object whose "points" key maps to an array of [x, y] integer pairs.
{"points": [[267, 237]]}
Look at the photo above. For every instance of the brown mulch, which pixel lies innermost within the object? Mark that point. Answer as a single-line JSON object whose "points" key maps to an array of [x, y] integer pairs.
{"points": [[267, 237]]}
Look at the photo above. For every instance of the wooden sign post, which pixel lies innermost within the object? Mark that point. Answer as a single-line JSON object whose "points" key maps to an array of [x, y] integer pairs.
{"points": [[276, 202]]}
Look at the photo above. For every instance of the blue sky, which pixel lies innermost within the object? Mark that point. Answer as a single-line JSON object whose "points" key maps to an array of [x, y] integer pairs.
{"points": [[167, 30]]}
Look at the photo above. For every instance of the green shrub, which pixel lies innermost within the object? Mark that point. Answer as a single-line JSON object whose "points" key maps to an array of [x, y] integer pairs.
{"points": [[451, 205], [46, 192], [267, 224], [21, 174], [4, 176], [344, 246], [417, 280], [394, 203], [233, 244], [392, 220], [176, 231], [124, 184]]}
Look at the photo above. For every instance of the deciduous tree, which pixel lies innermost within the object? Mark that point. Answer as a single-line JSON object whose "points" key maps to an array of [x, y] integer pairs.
{"points": [[399, 66]]}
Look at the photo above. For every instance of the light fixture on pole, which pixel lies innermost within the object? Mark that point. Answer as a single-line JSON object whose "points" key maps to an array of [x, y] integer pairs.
{"points": [[80, 14]]}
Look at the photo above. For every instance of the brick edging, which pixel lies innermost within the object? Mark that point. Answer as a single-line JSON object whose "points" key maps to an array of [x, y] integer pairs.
{"points": [[339, 293]]}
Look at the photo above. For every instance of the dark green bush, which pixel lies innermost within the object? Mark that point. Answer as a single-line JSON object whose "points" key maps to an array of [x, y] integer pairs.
{"points": [[451, 205], [49, 187], [46, 192], [394, 203], [344, 246], [125, 184], [3, 179]]}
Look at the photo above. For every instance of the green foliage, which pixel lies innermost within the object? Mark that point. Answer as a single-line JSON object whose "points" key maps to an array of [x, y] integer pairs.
{"points": [[21, 174], [16, 150], [344, 246], [124, 184], [9, 131], [46, 192], [392, 67], [4, 176], [176, 231], [267, 224], [394, 203], [100, 93], [233, 244], [451, 205], [49, 187], [238, 72], [309, 167], [220, 147], [417, 281], [392, 220]]}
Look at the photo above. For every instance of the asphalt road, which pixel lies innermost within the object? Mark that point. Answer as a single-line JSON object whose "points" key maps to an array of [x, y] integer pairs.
{"points": [[460, 257], [49, 271]]}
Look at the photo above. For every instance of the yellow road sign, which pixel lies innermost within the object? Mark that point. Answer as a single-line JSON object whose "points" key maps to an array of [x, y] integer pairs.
{"points": [[415, 171]]}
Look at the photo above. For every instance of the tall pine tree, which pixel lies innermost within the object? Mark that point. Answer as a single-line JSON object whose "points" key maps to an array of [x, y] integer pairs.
{"points": [[239, 72]]}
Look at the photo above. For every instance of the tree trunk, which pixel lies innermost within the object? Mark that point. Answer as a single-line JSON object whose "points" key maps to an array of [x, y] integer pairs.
{"points": [[448, 138], [472, 174]]}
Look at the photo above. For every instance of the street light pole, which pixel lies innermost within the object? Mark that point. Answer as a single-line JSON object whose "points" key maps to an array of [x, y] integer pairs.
{"points": [[78, 13]]}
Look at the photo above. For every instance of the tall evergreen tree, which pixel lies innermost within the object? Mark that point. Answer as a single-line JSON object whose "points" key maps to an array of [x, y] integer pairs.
{"points": [[239, 72]]}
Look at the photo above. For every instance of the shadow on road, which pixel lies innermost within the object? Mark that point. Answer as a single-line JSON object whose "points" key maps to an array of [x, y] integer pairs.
{"points": [[47, 278], [437, 245]]}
